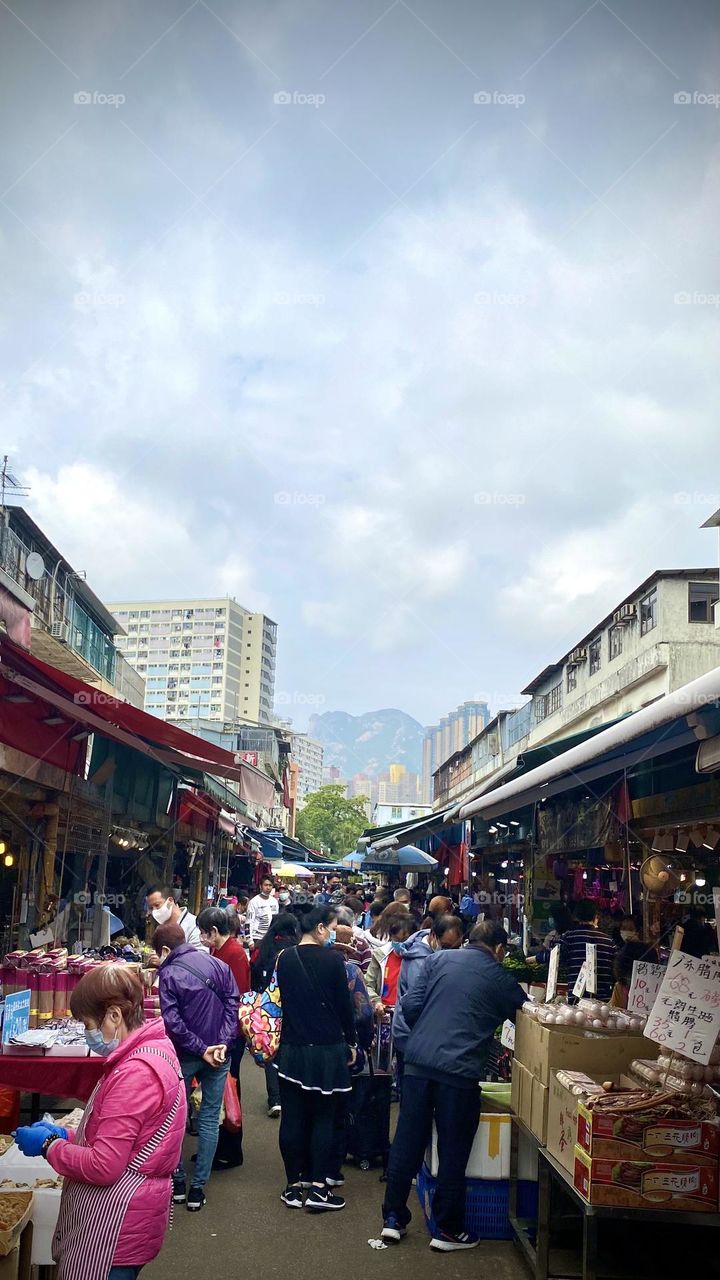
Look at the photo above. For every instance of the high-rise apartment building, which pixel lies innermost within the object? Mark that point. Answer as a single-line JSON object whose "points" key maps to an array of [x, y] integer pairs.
{"points": [[308, 756], [201, 659], [453, 733]]}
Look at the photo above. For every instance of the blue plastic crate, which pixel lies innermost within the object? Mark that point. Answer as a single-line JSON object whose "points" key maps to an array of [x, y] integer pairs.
{"points": [[486, 1204]]}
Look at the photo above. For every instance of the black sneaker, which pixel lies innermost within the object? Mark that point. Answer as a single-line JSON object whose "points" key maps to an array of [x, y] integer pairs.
{"points": [[196, 1199], [179, 1195], [392, 1232], [292, 1196], [320, 1201]]}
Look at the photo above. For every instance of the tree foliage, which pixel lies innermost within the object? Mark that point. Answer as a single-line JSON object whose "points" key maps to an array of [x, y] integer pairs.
{"points": [[331, 821]]}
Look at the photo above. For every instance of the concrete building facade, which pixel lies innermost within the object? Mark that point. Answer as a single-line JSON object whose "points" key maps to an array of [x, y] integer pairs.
{"points": [[201, 659], [307, 754], [450, 735], [659, 638]]}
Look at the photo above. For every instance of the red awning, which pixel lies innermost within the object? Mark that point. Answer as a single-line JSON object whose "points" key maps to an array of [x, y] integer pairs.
{"points": [[118, 720]]}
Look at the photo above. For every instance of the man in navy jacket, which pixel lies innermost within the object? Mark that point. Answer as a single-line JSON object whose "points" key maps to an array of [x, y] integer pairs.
{"points": [[454, 1009]]}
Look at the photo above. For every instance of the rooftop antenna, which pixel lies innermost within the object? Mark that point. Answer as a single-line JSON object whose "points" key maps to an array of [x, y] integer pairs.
{"points": [[9, 484]]}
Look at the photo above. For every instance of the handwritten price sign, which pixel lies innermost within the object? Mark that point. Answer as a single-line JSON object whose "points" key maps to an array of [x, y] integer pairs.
{"points": [[685, 1017], [646, 982]]}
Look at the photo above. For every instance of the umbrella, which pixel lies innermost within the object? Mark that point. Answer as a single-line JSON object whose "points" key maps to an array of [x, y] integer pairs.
{"points": [[293, 871], [409, 857]]}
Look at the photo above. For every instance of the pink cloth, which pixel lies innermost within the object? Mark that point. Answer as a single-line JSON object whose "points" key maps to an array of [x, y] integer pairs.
{"points": [[129, 1107]]}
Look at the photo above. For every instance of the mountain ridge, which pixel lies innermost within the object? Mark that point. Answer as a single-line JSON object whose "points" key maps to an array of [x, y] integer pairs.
{"points": [[370, 742]]}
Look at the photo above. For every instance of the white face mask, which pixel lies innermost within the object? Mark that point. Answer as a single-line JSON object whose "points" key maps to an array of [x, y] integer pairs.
{"points": [[162, 914], [627, 934]]}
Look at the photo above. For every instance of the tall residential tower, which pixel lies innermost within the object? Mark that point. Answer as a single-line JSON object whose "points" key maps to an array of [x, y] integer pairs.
{"points": [[201, 659]]}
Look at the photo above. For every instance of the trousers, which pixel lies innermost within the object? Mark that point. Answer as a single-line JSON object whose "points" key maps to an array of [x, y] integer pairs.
{"points": [[307, 1132], [124, 1273], [212, 1083], [456, 1112]]}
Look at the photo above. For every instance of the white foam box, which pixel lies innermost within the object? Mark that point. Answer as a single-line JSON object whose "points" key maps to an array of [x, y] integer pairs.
{"points": [[490, 1154], [68, 1051]]}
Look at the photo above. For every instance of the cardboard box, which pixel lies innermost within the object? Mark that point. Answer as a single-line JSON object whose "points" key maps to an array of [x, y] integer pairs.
{"points": [[646, 1184], [10, 1238], [562, 1124], [545, 1050], [530, 1100], [643, 1136]]}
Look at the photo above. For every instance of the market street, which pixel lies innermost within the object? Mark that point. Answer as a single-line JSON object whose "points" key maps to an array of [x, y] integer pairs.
{"points": [[245, 1227]]}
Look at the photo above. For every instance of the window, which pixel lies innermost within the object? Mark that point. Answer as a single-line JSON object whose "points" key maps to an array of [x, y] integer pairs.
{"points": [[701, 598], [396, 811], [615, 643], [648, 612], [548, 702], [595, 655], [571, 679]]}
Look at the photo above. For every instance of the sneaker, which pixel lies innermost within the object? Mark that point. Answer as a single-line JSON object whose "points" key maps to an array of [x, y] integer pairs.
{"points": [[275, 1111], [447, 1243], [179, 1195], [319, 1201], [335, 1182], [392, 1232], [195, 1199], [292, 1196]]}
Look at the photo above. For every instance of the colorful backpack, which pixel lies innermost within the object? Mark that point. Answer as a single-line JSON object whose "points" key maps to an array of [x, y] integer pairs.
{"points": [[260, 1018]]}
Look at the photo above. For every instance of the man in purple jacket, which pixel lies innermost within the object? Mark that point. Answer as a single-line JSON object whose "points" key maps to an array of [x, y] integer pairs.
{"points": [[199, 1002]]}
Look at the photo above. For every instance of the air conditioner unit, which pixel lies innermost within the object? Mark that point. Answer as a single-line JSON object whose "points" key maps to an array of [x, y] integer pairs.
{"points": [[576, 657], [59, 631], [628, 612]]}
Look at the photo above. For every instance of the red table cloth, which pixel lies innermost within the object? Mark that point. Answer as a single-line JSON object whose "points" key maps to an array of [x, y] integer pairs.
{"points": [[61, 1077]]}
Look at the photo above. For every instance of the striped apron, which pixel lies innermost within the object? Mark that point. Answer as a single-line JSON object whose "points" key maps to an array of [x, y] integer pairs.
{"points": [[91, 1217]]}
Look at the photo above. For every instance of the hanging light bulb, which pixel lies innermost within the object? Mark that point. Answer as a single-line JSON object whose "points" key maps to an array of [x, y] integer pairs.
{"points": [[8, 860], [700, 882], [3, 847], [584, 875]]}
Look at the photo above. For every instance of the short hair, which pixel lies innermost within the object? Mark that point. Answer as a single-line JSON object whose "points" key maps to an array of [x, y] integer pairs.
{"points": [[168, 935], [381, 927], [447, 924], [376, 910], [586, 911], [109, 984], [345, 915], [167, 891], [355, 904], [439, 905], [267, 880], [488, 933], [401, 927], [214, 918], [402, 895]]}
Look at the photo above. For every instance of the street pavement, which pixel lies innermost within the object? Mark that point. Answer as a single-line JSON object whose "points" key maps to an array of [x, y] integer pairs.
{"points": [[245, 1229]]}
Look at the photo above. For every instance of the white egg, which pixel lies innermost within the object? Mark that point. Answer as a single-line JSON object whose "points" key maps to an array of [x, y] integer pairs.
{"points": [[635, 1024], [597, 1024], [611, 1025], [579, 1018], [550, 1020], [604, 1011]]}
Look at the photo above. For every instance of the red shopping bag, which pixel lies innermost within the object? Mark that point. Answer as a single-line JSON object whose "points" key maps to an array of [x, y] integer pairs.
{"points": [[233, 1109]]}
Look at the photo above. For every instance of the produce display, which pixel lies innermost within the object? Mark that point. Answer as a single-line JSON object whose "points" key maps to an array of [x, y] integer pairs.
{"points": [[586, 1015], [13, 1207]]}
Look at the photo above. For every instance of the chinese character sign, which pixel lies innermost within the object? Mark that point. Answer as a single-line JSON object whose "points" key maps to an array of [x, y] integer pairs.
{"points": [[685, 1017], [553, 968], [591, 968], [16, 1017], [644, 986]]}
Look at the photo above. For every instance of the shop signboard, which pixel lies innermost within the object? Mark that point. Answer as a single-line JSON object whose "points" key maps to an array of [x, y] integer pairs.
{"points": [[644, 985], [685, 1017], [16, 1015], [507, 1035], [553, 969]]}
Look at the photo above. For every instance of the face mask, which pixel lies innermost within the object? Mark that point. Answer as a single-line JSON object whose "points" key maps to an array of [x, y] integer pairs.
{"points": [[97, 1042], [397, 947], [329, 941], [162, 914], [627, 935]]}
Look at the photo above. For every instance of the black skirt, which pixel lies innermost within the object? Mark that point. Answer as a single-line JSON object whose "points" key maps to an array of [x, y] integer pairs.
{"points": [[319, 1068]]}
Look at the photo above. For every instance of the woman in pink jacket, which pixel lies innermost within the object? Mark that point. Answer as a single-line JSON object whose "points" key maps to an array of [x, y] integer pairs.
{"points": [[118, 1165]]}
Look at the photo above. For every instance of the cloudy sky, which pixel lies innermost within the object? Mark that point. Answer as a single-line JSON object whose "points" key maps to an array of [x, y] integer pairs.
{"points": [[396, 320]]}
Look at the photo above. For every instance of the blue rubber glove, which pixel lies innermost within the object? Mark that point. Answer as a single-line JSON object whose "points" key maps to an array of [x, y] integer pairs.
{"points": [[30, 1138], [56, 1129]]}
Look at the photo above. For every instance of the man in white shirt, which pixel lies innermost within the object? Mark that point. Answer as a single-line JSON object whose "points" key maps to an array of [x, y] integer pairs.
{"points": [[261, 910], [164, 909]]}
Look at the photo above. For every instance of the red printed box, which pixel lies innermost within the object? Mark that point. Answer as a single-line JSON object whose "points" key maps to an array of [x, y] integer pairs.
{"points": [[638, 1184], [641, 1135]]}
